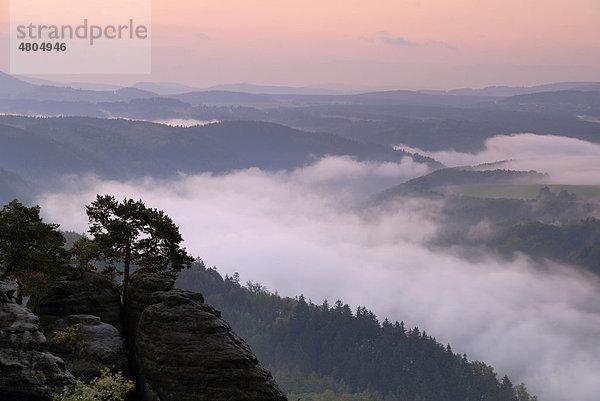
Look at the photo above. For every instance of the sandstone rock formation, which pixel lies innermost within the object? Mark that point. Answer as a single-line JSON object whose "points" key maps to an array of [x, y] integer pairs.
{"points": [[96, 345], [91, 301], [180, 347], [80, 292], [141, 287], [28, 371], [184, 351]]}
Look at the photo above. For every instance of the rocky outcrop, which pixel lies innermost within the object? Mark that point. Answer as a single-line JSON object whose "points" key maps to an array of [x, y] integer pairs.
{"points": [[180, 348], [141, 287], [93, 346], [79, 292], [185, 351], [27, 371], [90, 303]]}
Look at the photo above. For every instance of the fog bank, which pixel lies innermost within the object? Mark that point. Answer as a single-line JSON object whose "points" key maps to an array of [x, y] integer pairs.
{"points": [[566, 160], [300, 232]]}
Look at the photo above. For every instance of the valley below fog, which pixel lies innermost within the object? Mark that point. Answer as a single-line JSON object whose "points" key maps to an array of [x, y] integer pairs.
{"points": [[316, 230], [470, 214]]}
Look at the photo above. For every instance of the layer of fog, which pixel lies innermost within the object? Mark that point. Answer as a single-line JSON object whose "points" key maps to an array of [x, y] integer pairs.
{"points": [[566, 160], [589, 119], [173, 122], [298, 233], [184, 122]]}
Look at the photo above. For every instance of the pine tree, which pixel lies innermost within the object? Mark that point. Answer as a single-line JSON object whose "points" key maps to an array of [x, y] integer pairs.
{"points": [[131, 233], [31, 251]]}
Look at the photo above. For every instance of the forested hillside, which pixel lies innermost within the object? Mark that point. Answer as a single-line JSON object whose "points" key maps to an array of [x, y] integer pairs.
{"points": [[575, 242], [329, 352], [553, 225], [123, 149], [428, 120]]}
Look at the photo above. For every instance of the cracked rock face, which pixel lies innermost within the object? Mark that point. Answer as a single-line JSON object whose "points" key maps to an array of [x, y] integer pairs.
{"points": [[91, 302], [28, 371], [185, 351], [96, 345], [141, 288], [80, 293]]}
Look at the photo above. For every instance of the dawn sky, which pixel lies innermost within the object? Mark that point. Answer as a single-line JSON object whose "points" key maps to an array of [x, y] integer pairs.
{"points": [[375, 44]]}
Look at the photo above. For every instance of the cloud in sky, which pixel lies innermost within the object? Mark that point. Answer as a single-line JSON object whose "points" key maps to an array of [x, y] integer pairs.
{"points": [[566, 160], [389, 39], [292, 44], [300, 232], [202, 36]]}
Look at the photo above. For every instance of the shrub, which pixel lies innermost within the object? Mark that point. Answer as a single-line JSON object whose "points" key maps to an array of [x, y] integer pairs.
{"points": [[68, 336], [107, 387]]}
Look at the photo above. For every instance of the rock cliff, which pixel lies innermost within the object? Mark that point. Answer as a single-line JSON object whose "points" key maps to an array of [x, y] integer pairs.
{"points": [[27, 371], [80, 292], [89, 304], [179, 348], [185, 351]]}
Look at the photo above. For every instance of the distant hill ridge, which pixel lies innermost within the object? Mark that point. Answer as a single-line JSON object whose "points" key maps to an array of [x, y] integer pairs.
{"points": [[125, 149], [13, 87], [427, 184]]}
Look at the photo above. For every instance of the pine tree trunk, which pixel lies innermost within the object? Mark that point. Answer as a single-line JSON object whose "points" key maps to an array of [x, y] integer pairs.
{"points": [[126, 265]]}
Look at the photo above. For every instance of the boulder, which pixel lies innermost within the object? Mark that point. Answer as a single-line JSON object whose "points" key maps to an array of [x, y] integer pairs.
{"points": [[79, 292], [94, 345], [28, 371], [184, 351]]}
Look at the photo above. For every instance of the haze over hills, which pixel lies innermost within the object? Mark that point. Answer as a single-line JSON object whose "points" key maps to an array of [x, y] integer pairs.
{"points": [[272, 89], [123, 149], [505, 91], [172, 88], [277, 185], [387, 201], [430, 122]]}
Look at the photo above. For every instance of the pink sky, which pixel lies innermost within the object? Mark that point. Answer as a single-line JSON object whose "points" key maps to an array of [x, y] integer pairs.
{"points": [[375, 44]]}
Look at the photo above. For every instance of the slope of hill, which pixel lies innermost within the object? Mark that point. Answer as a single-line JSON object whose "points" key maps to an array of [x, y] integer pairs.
{"points": [[431, 121], [565, 102], [14, 88], [45, 147], [435, 183], [37, 156], [554, 225], [11, 86], [13, 186], [506, 91], [326, 352]]}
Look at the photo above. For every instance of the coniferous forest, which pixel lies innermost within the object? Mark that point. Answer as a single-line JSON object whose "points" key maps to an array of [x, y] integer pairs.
{"points": [[328, 351], [241, 201]]}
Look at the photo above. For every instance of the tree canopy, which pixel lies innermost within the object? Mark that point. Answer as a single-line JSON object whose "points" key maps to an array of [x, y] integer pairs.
{"points": [[330, 352], [31, 251], [130, 233]]}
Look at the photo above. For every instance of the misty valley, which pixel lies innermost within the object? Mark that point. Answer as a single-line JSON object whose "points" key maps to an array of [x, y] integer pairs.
{"points": [[385, 246]]}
